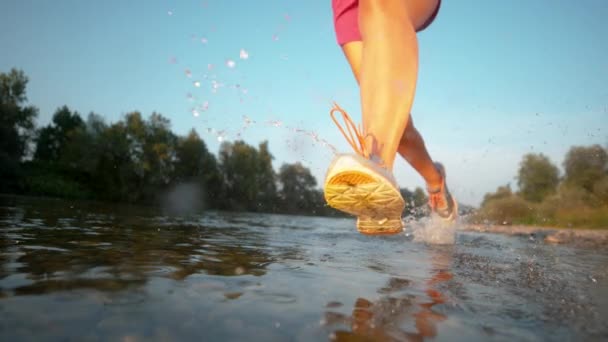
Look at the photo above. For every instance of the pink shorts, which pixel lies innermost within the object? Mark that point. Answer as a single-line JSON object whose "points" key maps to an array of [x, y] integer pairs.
{"points": [[346, 20]]}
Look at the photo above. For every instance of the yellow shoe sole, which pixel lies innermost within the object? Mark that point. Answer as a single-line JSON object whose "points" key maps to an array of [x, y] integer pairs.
{"points": [[374, 200]]}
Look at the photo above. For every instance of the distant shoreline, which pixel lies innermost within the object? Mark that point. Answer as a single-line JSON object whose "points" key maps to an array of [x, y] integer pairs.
{"points": [[597, 236]]}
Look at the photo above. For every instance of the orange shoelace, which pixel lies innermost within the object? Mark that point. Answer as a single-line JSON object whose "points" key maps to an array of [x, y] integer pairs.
{"points": [[355, 136]]}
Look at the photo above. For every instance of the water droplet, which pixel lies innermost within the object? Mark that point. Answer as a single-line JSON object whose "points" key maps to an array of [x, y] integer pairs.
{"points": [[205, 106], [277, 325], [204, 40], [215, 85], [197, 84], [170, 13], [209, 66], [247, 120], [188, 73], [276, 123], [245, 91], [172, 60], [275, 37], [243, 54], [230, 63], [195, 113], [189, 96]]}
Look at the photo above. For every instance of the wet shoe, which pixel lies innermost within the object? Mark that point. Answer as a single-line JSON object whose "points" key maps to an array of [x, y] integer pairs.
{"points": [[441, 201], [359, 186]]}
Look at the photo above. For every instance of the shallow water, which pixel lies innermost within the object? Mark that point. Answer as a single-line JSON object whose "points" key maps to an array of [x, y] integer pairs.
{"points": [[93, 272]]}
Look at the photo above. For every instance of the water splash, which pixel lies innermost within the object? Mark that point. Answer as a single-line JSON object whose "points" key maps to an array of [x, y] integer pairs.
{"points": [[230, 63], [215, 85], [275, 123], [243, 54], [433, 230], [221, 135]]}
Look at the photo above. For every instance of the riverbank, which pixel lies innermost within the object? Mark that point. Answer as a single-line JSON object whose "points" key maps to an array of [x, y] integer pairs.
{"points": [[593, 237]]}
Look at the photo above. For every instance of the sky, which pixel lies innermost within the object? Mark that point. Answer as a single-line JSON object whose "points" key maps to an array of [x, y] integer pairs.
{"points": [[497, 79]]}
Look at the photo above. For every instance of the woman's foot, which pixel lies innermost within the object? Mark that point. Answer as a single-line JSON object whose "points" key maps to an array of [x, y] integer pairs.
{"points": [[360, 187], [440, 199], [358, 184]]}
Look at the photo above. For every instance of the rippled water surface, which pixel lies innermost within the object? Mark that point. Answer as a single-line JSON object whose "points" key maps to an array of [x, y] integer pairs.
{"points": [[96, 272]]}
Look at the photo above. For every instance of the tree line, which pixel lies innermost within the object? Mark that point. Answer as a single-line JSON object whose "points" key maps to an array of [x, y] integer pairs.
{"points": [[140, 160], [578, 198]]}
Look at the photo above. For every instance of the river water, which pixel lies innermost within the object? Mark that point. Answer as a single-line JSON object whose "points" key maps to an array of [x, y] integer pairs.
{"points": [[84, 271]]}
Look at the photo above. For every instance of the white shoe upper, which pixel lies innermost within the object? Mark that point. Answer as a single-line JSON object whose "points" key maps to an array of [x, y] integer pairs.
{"points": [[354, 162]]}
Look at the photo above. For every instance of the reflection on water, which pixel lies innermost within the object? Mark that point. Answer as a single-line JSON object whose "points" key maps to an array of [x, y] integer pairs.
{"points": [[85, 271], [397, 316]]}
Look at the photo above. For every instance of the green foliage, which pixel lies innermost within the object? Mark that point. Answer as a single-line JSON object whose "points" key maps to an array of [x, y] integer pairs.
{"points": [[266, 179], [600, 190], [16, 126], [586, 165], [249, 180], [507, 210], [580, 200], [502, 192], [298, 193], [52, 139], [48, 180], [537, 177], [194, 164]]}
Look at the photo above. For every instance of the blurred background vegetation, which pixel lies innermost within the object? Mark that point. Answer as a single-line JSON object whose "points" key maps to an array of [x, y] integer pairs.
{"points": [[578, 198], [140, 160]]}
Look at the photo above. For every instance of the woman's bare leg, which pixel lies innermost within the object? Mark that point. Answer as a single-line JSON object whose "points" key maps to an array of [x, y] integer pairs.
{"points": [[389, 67], [411, 145]]}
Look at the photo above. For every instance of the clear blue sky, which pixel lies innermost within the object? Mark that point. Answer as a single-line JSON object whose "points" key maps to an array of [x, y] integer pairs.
{"points": [[497, 78]]}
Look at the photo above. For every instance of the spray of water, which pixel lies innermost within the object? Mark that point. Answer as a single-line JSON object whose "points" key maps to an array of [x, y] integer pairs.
{"points": [[433, 230]]}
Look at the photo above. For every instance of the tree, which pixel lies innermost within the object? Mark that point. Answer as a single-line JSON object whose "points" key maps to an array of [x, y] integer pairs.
{"points": [[53, 138], [420, 197], [537, 177], [297, 188], [585, 166], [16, 124], [239, 166], [503, 191], [266, 178], [159, 153], [194, 163]]}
